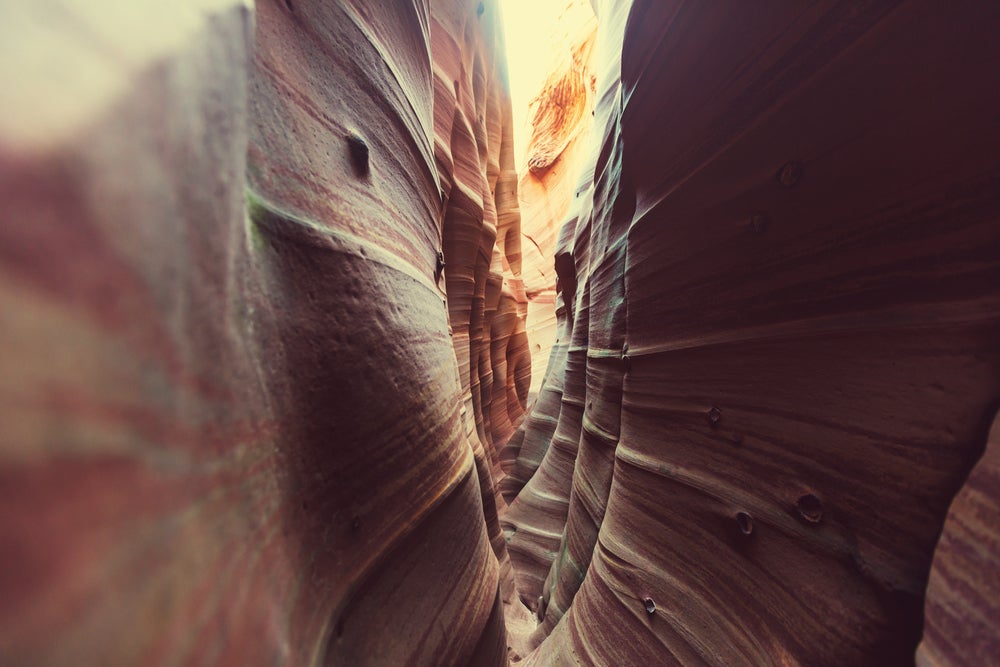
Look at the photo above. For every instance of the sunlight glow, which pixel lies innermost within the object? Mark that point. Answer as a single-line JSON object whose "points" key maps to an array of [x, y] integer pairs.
{"points": [[528, 27]]}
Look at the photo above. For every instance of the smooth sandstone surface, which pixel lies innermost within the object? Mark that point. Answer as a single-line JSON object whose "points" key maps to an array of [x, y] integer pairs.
{"points": [[270, 290], [785, 333], [963, 594], [560, 121], [232, 422]]}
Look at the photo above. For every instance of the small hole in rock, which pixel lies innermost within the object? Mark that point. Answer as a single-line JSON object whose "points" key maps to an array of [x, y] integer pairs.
{"points": [[758, 223], [745, 523], [713, 415], [810, 508], [790, 174], [439, 266], [359, 154]]}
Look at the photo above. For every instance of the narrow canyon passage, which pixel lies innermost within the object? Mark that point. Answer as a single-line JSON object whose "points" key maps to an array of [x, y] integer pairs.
{"points": [[318, 349]]}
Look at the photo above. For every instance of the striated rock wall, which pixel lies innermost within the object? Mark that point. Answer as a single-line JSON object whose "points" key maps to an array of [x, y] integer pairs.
{"points": [[560, 119], [232, 425], [963, 593], [481, 249], [264, 334], [556, 431], [784, 351]]}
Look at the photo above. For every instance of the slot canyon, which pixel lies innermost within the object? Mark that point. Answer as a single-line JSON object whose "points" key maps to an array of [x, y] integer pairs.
{"points": [[304, 360]]}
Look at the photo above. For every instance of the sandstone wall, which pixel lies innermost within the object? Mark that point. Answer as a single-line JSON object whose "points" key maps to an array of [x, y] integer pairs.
{"points": [[560, 119], [232, 425], [784, 355], [963, 592], [264, 341]]}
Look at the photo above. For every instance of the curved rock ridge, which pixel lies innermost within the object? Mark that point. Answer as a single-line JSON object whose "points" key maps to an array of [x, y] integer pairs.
{"points": [[785, 323], [481, 240], [266, 322], [233, 427], [538, 516], [558, 112], [546, 199], [962, 607], [560, 117]]}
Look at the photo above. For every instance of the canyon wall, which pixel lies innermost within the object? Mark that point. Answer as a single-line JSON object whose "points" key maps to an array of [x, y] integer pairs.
{"points": [[784, 352], [963, 593], [243, 421], [558, 144], [266, 304]]}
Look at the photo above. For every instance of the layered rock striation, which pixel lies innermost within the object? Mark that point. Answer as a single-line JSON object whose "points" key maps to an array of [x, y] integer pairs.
{"points": [[262, 335], [963, 591], [268, 305], [784, 350]]}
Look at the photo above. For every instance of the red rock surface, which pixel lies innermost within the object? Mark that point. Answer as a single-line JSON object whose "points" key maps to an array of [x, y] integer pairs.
{"points": [[232, 425], [559, 146], [552, 434], [264, 341], [785, 336], [962, 610], [481, 237]]}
